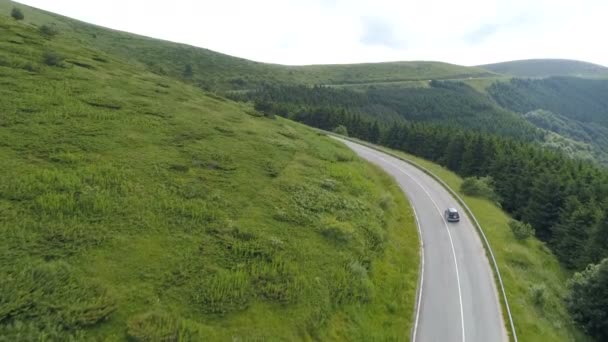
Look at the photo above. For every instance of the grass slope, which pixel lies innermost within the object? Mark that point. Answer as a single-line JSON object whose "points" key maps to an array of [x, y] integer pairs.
{"points": [[532, 276], [217, 71], [548, 67], [134, 205]]}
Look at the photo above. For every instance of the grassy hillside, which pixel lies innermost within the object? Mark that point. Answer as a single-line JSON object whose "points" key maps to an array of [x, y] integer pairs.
{"points": [[548, 67], [134, 205], [216, 71], [534, 280]]}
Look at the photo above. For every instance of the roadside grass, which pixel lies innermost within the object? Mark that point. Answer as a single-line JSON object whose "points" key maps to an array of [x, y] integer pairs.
{"points": [[534, 281], [136, 206]]}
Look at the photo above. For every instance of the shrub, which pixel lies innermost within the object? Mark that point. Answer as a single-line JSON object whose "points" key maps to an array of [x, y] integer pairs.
{"points": [[264, 107], [17, 14], [537, 292], [52, 59], [386, 201], [521, 230], [479, 187], [329, 184], [271, 169], [48, 31], [337, 232], [341, 129], [588, 299], [188, 71], [344, 157]]}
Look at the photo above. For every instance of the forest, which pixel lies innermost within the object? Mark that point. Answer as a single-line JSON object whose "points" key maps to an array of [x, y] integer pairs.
{"points": [[447, 103]]}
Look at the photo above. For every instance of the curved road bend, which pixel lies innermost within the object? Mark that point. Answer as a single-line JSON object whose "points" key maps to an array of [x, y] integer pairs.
{"points": [[459, 300]]}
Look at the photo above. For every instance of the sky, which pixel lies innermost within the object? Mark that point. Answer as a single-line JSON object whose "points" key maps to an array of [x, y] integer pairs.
{"points": [[295, 32]]}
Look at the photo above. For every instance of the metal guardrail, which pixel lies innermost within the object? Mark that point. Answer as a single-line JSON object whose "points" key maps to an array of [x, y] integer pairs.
{"points": [[488, 248]]}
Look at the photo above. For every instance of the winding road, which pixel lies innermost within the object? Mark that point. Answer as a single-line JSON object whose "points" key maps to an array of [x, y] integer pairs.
{"points": [[457, 295]]}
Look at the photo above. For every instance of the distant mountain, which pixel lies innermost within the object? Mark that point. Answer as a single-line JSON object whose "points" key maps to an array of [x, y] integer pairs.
{"points": [[548, 67]]}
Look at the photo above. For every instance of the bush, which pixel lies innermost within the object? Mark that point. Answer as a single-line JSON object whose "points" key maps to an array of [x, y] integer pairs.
{"points": [[264, 107], [588, 299], [340, 233], [537, 292], [17, 14], [479, 187], [48, 31], [52, 59], [386, 201], [521, 230], [341, 130]]}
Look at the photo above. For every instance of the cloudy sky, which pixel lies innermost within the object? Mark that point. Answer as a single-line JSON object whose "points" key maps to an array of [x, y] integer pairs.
{"points": [[468, 32]]}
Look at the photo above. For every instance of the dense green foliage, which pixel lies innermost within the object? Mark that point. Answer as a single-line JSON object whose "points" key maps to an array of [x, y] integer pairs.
{"points": [[17, 14], [573, 108], [547, 68], [580, 99], [521, 230], [588, 300], [136, 205], [480, 187], [450, 104]]}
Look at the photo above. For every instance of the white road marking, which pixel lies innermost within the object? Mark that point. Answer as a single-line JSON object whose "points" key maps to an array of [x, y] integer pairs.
{"points": [[449, 234], [451, 243], [421, 285]]}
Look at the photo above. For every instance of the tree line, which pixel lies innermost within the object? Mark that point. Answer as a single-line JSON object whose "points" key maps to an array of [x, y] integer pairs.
{"points": [[447, 103]]}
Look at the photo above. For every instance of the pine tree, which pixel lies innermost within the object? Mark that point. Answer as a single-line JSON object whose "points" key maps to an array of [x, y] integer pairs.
{"points": [[544, 206]]}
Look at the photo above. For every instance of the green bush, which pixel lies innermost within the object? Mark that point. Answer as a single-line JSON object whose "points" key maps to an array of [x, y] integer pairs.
{"points": [[521, 230], [341, 129], [17, 14], [338, 232], [264, 107], [588, 299], [537, 292], [48, 31], [52, 58], [386, 201], [479, 187]]}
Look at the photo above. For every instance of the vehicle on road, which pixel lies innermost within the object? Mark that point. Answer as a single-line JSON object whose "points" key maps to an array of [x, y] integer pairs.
{"points": [[451, 215]]}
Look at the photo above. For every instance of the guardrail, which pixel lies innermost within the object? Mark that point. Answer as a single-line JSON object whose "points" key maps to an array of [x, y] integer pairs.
{"points": [[486, 243]]}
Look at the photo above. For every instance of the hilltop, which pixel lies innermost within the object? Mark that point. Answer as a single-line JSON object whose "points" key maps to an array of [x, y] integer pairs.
{"points": [[216, 71], [547, 68]]}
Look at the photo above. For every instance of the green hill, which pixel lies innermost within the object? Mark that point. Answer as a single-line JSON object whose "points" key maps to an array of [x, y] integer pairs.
{"points": [[135, 205], [548, 67], [216, 71]]}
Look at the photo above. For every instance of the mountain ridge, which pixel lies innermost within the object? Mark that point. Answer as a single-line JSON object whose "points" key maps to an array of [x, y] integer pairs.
{"points": [[546, 67]]}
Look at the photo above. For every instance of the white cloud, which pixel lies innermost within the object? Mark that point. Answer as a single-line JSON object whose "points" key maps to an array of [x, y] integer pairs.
{"points": [[338, 31]]}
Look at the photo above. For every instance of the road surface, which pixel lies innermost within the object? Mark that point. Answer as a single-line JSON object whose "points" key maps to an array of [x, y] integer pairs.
{"points": [[458, 299]]}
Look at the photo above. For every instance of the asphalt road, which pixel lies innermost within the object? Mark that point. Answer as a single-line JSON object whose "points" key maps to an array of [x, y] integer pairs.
{"points": [[458, 299]]}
